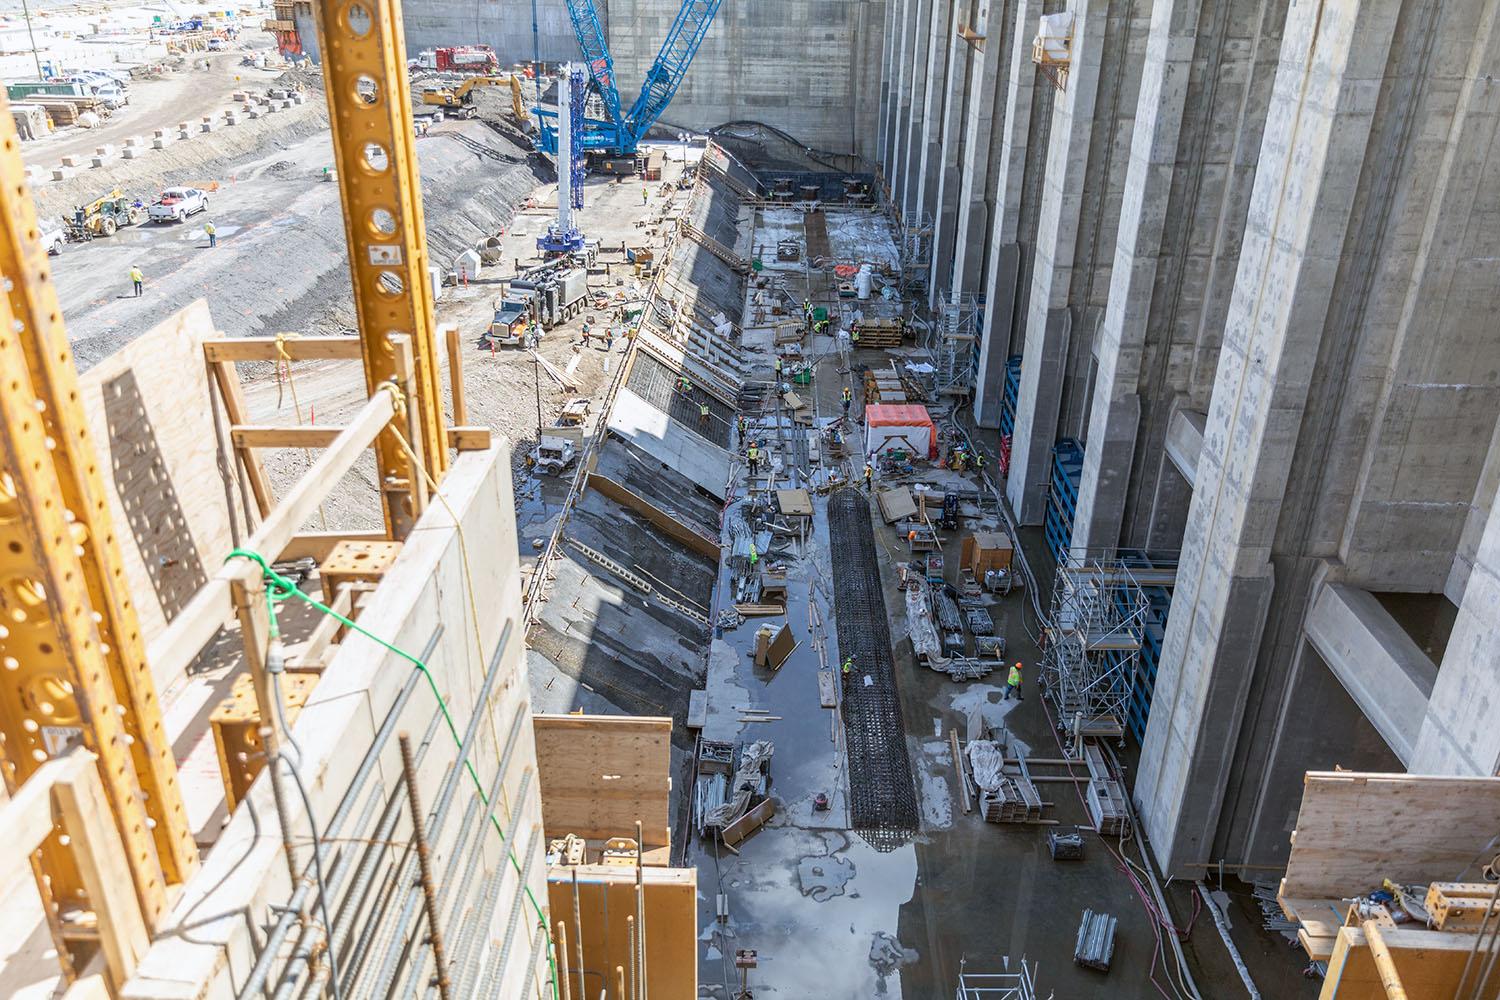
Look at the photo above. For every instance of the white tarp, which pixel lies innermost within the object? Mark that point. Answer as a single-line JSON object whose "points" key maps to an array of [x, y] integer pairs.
{"points": [[1054, 36], [987, 762]]}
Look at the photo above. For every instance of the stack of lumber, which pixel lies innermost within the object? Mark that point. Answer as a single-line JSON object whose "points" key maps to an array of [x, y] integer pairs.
{"points": [[881, 332]]}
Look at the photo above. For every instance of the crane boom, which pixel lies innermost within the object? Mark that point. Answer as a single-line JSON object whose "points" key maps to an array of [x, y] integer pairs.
{"points": [[624, 130], [677, 51], [601, 65]]}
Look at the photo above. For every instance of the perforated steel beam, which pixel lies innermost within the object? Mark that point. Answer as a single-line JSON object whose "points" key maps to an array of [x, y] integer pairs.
{"points": [[369, 110], [72, 663]]}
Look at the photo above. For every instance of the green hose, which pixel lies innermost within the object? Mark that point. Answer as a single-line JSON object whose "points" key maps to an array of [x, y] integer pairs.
{"points": [[279, 588]]}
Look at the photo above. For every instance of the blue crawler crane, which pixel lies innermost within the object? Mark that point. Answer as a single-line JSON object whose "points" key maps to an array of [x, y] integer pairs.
{"points": [[621, 131]]}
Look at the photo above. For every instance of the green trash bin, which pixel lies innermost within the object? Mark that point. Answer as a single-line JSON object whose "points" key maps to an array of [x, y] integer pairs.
{"points": [[819, 314], [802, 377]]}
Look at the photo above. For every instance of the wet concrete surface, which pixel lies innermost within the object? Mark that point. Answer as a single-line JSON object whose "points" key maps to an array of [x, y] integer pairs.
{"points": [[829, 915]]}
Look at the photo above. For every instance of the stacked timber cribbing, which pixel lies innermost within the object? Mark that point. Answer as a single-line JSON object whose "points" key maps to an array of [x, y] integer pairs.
{"points": [[882, 798]]}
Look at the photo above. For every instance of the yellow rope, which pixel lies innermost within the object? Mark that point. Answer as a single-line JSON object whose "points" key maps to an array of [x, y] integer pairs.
{"points": [[284, 357]]}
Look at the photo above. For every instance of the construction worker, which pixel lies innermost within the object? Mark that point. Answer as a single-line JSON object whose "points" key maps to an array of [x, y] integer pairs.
{"points": [[645, 194], [684, 385], [743, 426], [1013, 683], [703, 414], [848, 665], [854, 336], [806, 311], [585, 338], [847, 397], [778, 368], [136, 277], [609, 339], [212, 233], [752, 455], [979, 461], [869, 475]]}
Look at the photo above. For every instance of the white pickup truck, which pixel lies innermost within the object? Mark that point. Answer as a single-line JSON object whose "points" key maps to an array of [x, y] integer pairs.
{"points": [[52, 238], [176, 204]]}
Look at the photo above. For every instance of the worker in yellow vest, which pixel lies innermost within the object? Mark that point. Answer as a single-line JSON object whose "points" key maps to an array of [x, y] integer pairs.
{"points": [[211, 233], [869, 476], [136, 277], [848, 397], [752, 455], [703, 414], [1013, 683]]}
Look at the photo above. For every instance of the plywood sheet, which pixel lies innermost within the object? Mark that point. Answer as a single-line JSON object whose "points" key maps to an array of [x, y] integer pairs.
{"points": [[606, 896], [149, 411], [601, 773], [794, 503], [896, 503], [1355, 829]]}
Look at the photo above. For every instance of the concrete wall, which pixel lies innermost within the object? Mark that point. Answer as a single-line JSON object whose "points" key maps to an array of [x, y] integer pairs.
{"points": [[809, 67], [504, 25], [1344, 441], [206, 947]]}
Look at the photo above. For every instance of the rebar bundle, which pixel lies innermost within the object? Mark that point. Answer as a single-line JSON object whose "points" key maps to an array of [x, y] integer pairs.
{"points": [[883, 799]]}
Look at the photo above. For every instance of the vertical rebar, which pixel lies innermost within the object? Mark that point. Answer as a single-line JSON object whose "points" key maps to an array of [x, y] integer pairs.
{"points": [[634, 971], [578, 935], [424, 866], [640, 911], [562, 961]]}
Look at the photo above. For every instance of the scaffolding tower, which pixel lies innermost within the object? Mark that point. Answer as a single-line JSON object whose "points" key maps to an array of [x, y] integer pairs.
{"points": [[916, 252], [1100, 609], [950, 340], [1007, 985]]}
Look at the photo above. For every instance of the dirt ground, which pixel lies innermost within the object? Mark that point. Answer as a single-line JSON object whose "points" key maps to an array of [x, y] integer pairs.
{"points": [[504, 388]]}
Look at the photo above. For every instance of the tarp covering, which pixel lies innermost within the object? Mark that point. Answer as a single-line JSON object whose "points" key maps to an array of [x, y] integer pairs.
{"points": [[900, 425]]}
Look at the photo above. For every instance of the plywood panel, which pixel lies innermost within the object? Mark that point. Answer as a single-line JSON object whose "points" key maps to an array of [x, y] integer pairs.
{"points": [[606, 897], [148, 408], [601, 773], [1355, 829]]}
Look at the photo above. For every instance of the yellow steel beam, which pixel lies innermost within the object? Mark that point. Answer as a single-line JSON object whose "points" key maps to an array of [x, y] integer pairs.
{"points": [[72, 663], [369, 110]]}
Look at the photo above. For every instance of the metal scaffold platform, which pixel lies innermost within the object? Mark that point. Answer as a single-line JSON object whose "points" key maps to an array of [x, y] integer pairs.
{"points": [[1008, 985], [1100, 611], [950, 340], [916, 251]]}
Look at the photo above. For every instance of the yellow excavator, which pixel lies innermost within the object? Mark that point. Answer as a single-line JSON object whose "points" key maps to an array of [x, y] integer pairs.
{"points": [[104, 216], [462, 95]]}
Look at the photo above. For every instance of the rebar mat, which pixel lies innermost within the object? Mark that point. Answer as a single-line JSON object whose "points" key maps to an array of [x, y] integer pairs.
{"points": [[882, 797]]}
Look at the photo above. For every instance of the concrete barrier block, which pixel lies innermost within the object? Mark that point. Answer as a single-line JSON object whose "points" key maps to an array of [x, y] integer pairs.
{"points": [[132, 141], [207, 125], [70, 161], [231, 118], [106, 151], [98, 161], [298, 97], [251, 111], [182, 126], [61, 173], [160, 142], [130, 152], [239, 95], [159, 133], [184, 134]]}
